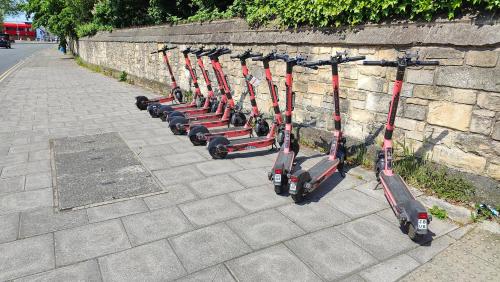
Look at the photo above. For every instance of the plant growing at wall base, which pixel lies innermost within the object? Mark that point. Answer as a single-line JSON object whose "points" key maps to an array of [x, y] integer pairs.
{"points": [[438, 212], [123, 76]]}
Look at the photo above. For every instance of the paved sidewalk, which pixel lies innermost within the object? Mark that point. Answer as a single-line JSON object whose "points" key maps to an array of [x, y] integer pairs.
{"points": [[218, 220]]}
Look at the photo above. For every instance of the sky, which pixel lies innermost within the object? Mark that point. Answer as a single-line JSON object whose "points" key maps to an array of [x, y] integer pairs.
{"points": [[17, 18]]}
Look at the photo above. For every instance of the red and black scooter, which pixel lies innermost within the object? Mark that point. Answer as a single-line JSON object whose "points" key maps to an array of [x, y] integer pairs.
{"points": [[220, 146], [290, 147], [199, 135], [412, 215], [181, 125], [303, 182], [142, 102], [157, 110]]}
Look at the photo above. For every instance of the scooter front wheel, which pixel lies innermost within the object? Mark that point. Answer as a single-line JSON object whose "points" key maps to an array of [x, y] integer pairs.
{"points": [[194, 135], [218, 147], [141, 102], [177, 125]]}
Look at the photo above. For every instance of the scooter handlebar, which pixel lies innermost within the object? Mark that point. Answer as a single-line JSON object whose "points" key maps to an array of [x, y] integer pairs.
{"points": [[354, 58], [427, 63], [408, 62], [382, 63], [164, 49]]}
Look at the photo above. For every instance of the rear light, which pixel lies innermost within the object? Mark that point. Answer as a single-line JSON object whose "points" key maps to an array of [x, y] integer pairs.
{"points": [[278, 171], [422, 215], [294, 178]]}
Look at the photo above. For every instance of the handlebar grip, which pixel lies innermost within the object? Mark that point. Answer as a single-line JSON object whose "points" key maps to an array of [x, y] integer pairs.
{"points": [[257, 54], [355, 58], [154, 52], [259, 58], [234, 56], [373, 63], [427, 63]]}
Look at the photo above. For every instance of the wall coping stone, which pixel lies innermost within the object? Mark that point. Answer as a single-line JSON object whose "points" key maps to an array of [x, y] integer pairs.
{"points": [[457, 33]]}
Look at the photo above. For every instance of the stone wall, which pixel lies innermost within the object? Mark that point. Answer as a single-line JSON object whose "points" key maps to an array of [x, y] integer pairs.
{"points": [[450, 112]]}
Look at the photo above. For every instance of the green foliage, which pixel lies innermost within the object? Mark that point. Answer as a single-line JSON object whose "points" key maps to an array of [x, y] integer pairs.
{"points": [[91, 28], [482, 213], [123, 76], [8, 7], [438, 212]]}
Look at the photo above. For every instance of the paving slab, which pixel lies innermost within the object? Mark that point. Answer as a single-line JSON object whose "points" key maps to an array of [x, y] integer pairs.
{"points": [[218, 167], [89, 241], [22, 201], [215, 185], [377, 236], [214, 244], [482, 243], [390, 270], [211, 210], [12, 159], [45, 220], [39, 155], [365, 174], [151, 262], [155, 163], [154, 150], [83, 271], [38, 181], [259, 198], [178, 175], [11, 185], [372, 189], [26, 168], [158, 224], [217, 273], [252, 177], [264, 228], [354, 203], [330, 254], [185, 158], [314, 215], [455, 213], [25, 257], [254, 162], [9, 227], [276, 263], [115, 210], [429, 250], [177, 194]]}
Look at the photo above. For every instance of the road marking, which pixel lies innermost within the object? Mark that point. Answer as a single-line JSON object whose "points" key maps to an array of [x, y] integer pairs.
{"points": [[14, 68]]}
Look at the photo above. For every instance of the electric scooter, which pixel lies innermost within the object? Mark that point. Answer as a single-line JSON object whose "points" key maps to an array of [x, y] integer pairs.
{"points": [[290, 148], [142, 102], [303, 182], [412, 215], [181, 125], [208, 102], [157, 110], [199, 135], [220, 146]]}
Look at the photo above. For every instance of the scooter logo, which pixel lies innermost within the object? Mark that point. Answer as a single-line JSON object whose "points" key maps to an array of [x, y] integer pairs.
{"points": [[250, 147], [287, 139], [388, 157]]}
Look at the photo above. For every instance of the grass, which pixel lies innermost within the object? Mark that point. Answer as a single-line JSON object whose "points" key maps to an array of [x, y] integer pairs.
{"points": [[438, 212], [123, 76]]}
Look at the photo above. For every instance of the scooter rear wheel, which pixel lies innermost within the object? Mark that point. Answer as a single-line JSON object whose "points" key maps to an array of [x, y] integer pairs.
{"points": [[217, 147], [177, 125], [194, 133], [412, 233], [141, 102]]}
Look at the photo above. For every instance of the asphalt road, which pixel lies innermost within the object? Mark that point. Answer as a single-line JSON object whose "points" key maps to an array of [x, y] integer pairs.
{"points": [[19, 51]]}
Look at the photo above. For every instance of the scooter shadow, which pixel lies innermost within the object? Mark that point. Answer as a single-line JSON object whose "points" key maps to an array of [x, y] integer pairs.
{"points": [[326, 187]]}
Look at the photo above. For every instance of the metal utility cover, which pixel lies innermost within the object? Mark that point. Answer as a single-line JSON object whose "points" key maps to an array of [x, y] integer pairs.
{"points": [[97, 168]]}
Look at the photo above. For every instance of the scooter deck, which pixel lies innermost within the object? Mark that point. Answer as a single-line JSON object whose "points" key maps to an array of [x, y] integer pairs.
{"points": [[322, 168], [227, 129], [202, 116], [284, 161], [397, 187], [247, 140]]}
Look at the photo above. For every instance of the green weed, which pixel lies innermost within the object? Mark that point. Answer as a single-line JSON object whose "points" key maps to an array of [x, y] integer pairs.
{"points": [[438, 212], [123, 76]]}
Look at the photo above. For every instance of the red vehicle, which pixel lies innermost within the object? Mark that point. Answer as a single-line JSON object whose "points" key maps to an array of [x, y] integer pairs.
{"points": [[19, 31]]}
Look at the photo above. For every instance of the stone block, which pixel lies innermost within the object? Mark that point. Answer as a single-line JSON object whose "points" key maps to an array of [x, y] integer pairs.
{"points": [[185, 158], [178, 175], [489, 100], [493, 171], [215, 273], [45, 220], [481, 124], [420, 76], [22, 201], [317, 88], [445, 114], [115, 210], [362, 231], [457, 95], [177, 194], [212, 210], [413, 111], [9, 227], [333, 258], [25, 257], [496, 131], [390, 270], [426, 252], [477, 144], [371, 83], [372, 71], [349, 83], [378, 102], [258, 198], [215, 244], [481, 58], [313, 216], [406, 90], [459, 159], [417, 101], [468, 77], [252, 177], [264, 228], [38, 181], [13, 184], [218, 167], [409, 124], [354, 203], [216, 185], [276, 263], [443, 53], [158, 224], [89, 241], [151, 262], [84, 271], [363, 116]]}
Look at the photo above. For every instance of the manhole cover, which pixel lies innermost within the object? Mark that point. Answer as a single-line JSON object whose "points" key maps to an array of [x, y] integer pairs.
{"points": [[98, 168]]}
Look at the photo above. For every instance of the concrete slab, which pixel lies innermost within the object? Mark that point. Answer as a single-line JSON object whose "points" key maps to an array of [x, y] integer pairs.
{"points": [[178, 175], [39, 155], [177, 194], [9, 227], [314, 215], [259, 198], [12, 185], [363, 173], [377, 236], [184, 158], [254, 162], [158, 224], [264, 228], [208, 246], [84, 271], [151, 262], [354, 203], [216, 273], [276, 263], [26, 168], [482, 242], [115, 210], [456, 213], [89, 241], [211, 210], [155, 163], [218, 167], [215, 185], [426, 252], [252, 177], [25, 257], [38, 181], [390, 270], [22, 201], [45, 220], [368, 188], [330, 254]]}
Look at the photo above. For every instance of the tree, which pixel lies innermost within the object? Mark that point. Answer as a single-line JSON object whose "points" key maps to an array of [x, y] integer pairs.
{"points": [[8, 7]]}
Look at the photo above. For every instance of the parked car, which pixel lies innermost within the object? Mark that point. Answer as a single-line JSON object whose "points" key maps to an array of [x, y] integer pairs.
{"points": [[5, 40]]}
